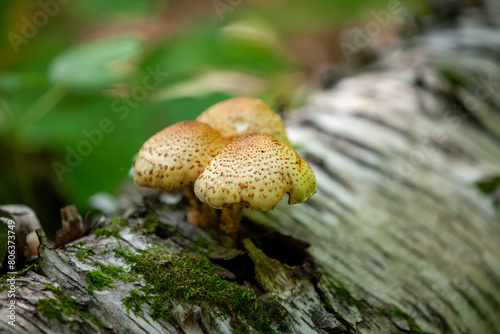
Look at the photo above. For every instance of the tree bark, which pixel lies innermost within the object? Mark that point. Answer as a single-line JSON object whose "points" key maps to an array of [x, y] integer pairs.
{"points": [[400, 239]]}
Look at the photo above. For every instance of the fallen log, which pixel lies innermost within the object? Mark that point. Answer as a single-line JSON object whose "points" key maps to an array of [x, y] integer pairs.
{"points": [[397, 238]]}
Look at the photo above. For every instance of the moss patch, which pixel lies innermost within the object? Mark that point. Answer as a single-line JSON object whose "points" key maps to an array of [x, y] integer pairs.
{"points": [[344, 296], [114, 272], [95, 279], [400, 314], [489, 187], [83, 252], [62, 308], [151, 225], [113, 229], [51, 288], [106, 275], [186, 278], [201, 242], [454, 77], [200, 246]]}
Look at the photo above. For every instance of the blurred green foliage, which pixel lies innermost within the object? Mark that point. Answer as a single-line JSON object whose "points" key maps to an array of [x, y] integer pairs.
{"points": [[491, 187], [61, 78]]}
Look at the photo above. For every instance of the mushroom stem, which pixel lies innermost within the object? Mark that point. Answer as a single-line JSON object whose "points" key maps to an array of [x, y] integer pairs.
{"points": [[230, 219], [191, 197], [197, 212]]}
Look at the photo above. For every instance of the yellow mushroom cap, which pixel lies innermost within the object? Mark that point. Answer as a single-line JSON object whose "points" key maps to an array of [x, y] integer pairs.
{"points": [[256, 170], [242, 115], [176, 155]]}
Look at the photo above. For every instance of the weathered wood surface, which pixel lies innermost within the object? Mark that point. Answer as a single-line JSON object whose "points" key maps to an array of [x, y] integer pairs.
{"points": [[396, 153], [396, 219]]}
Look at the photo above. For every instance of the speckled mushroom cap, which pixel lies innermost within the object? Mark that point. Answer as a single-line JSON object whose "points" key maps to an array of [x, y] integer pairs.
{"points": [[176, 155], [256, 170], [242, 115]]}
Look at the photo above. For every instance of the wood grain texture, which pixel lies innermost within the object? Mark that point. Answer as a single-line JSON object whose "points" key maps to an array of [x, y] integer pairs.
{"points": [[396, 152]]}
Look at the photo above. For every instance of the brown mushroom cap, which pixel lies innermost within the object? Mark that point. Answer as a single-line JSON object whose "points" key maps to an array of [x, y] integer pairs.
{"points": [[256, 170], [242, 115], [176, 155]]}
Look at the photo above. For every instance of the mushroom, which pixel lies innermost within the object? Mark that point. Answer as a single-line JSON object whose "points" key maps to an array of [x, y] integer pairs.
{"points": [[175, 157], [253, 171], [242, 115]]}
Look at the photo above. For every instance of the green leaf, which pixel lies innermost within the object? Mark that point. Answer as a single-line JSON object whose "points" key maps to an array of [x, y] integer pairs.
{"points": [[96, 65]]}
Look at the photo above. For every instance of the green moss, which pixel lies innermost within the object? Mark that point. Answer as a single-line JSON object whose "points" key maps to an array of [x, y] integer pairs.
{"points": [[344, 296], [84, 252], [454, 77], [95, 279], [400, 314], [62, 308], [114, 272], [150, 222], [187, 278], [21, 272], [33, 266], [106, 275], [488, 187], [151, 225], [54, 309], [113, 229], [200, 246], [201, 242], [7, 276], [51, 288]]}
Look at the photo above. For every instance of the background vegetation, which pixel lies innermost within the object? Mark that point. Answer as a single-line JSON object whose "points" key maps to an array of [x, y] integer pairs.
{"points": [[61, 77]]}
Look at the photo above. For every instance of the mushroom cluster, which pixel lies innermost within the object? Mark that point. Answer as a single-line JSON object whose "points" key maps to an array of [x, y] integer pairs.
{"points": [[255, 171], [236, 154]]}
